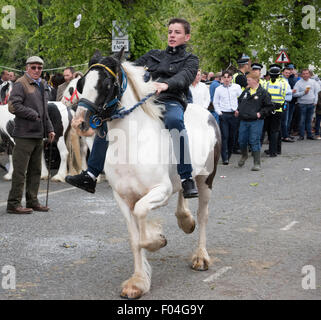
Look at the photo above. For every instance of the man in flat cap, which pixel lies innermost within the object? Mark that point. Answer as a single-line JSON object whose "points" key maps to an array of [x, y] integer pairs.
{"points": [[28, 102]]}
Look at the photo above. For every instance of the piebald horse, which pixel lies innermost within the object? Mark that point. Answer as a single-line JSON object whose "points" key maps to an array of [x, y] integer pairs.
{"points": [[139, 166]]}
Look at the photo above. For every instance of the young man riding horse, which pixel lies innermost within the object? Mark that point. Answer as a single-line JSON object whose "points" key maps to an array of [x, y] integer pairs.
{"points": [[174, 69]]}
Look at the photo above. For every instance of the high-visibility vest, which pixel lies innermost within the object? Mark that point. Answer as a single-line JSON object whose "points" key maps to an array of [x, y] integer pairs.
{"points": [[237, 73], [262, 82], [277, 90]]}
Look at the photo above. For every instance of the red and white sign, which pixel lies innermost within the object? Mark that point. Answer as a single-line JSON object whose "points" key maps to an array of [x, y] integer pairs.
{"points": [[283, 58]]}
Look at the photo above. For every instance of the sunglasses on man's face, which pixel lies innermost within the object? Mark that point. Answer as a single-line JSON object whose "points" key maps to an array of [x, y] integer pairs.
{"points": [[36, 67]]}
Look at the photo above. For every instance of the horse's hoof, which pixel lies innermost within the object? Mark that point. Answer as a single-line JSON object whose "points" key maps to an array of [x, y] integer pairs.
{"points": [[187, 225], [200, 264], [131, 293]]}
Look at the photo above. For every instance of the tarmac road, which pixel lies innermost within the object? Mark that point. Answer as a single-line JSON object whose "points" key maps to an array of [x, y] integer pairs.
{"points": [[264, 228]]}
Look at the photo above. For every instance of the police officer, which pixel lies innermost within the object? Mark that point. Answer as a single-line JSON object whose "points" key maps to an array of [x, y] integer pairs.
{"points": [[277, 88], [239, 77]]}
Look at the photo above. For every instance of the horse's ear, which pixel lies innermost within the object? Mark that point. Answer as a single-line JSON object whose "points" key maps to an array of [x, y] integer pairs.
{"points": [[95, 58], [120, 56], [80, 85]]}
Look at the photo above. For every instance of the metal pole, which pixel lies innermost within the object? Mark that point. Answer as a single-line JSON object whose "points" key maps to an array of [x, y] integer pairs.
{"points": [[49, 166]]}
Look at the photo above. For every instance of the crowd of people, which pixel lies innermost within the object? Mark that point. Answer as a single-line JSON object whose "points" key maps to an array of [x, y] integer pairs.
{"points": [[248, 105], [245, 104]]}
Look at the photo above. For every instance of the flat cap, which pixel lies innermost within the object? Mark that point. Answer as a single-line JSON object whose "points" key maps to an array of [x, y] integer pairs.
{"points": [[256, 66], [34, 59]]}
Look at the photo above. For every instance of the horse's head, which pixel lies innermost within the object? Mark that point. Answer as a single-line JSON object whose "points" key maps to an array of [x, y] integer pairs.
{"points": [[71, 96], [101, 89]]}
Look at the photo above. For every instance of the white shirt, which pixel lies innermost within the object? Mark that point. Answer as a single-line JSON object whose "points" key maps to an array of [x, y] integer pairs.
{"points": [[225, 98], [201, 94]]}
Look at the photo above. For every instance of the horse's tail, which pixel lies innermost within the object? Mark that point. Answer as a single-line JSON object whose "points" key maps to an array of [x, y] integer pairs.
{"points": [[73, 145], [217, 150]]}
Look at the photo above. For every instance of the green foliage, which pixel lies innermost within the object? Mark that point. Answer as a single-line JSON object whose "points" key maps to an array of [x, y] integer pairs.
{"points": [[222, 30]]}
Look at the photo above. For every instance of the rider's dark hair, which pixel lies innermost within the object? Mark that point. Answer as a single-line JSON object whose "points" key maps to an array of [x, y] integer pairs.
{"points": [[186, 25]]}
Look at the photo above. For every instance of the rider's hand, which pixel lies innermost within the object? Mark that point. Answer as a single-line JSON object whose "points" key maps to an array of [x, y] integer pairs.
{"points": [[160, 86]]}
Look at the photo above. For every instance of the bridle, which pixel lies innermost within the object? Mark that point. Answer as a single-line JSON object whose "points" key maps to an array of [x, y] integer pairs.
{"points": [[112, 107], [108, 106]]}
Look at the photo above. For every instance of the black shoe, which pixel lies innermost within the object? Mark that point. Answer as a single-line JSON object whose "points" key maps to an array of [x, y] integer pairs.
{"points": [[267, 151], [272, 155], [189, 189], [82, 181], [237, 151], [225, 162], [311, 138], [301, 138]]}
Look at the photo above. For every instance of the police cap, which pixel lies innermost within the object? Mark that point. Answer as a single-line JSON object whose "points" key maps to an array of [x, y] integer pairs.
{"points": [[243, 61], [256, 66], [274, 69]]}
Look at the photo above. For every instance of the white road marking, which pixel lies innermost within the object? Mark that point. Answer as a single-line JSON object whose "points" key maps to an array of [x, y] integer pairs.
{"points": [[217, 274], [289, 226], [41, 195]]}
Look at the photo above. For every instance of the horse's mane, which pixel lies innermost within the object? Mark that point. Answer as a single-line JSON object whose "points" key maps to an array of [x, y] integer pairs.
{"points": [[135, 76]]}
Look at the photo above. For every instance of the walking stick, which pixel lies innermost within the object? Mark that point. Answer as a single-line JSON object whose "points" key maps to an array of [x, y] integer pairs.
{"points": [[50, 152]]}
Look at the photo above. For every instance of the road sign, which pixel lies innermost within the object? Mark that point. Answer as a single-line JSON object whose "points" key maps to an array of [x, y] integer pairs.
{"points": [[117, 44], [283, 58], [119, 32]]}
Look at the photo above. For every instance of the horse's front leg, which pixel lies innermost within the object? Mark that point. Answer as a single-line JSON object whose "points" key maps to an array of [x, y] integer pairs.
{"points": [[201, 259], [63, 151], [151, 237], [139, 283]]}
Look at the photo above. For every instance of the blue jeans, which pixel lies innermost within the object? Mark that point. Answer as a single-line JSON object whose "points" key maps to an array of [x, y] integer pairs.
{"points": [[174, 122], [306, 114], [216, 116], [291, 107], [317, 124], [250, 133], [97, 156], [174, 119], [228, 126], [284, 121]]}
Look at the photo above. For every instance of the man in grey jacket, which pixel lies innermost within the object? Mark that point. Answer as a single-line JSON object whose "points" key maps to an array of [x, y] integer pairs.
{"points": [[306, 90], [28, 102]]}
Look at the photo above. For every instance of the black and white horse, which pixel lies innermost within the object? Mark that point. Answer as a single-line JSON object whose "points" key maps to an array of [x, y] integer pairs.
{"points": [[60, 116], [139, 163]]}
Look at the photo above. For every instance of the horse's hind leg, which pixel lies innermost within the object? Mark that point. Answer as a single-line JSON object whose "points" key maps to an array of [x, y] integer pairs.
{"points": [[151, 237], [184, 217], [139, 283], [201, 259]]}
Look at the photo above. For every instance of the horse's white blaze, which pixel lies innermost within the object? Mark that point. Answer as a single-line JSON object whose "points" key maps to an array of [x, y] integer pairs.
{"points": [[90, 92]]}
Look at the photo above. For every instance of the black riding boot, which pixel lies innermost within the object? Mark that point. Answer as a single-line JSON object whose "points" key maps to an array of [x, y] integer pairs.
{"points": [[83, 181], [189, 189]]}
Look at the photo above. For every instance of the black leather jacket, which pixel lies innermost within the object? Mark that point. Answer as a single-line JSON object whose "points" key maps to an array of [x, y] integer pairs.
{"points": [[174, 66]]}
